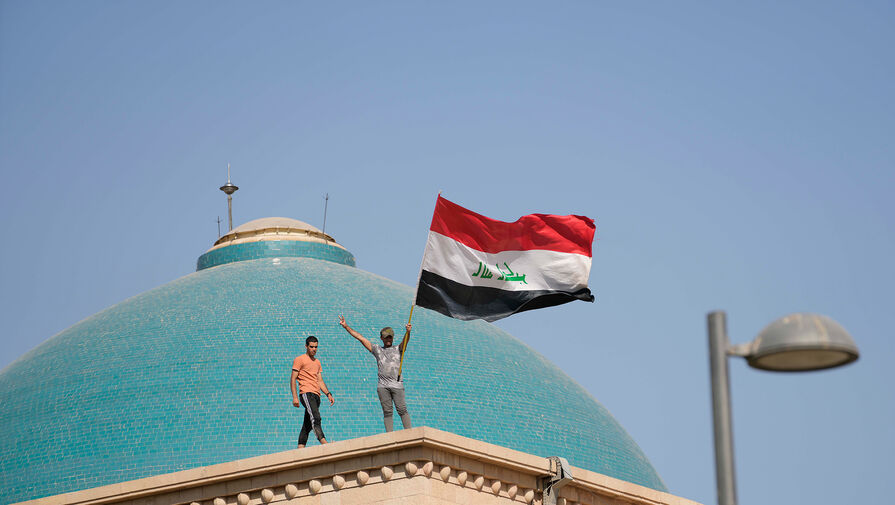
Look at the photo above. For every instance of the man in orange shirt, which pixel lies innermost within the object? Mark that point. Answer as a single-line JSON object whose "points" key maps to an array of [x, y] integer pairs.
{"points": [[308, 371]]}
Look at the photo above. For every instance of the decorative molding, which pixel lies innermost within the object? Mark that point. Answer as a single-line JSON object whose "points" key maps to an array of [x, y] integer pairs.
{"points": [[529, 496], [419, 452], [386, 474]]}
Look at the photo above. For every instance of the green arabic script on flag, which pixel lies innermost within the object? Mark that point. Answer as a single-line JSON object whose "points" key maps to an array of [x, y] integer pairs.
{"points": [[509, 276]]}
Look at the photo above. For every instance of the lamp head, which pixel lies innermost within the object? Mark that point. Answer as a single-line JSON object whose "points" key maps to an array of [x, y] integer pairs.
{"points": [[229, 188], [802, 342]]}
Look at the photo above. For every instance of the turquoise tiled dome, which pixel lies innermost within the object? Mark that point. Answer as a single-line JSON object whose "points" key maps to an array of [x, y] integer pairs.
{"points": [[196, 372]]}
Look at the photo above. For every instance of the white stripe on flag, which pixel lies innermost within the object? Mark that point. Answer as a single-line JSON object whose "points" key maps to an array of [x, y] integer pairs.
{"points": [[542, 270]]}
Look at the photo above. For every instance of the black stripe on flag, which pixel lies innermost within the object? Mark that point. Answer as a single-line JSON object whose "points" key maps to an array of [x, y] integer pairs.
{"points": [[467, 302]]}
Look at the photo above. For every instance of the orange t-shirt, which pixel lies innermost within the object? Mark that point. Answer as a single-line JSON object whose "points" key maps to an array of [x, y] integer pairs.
{"points": [[309, 371]]}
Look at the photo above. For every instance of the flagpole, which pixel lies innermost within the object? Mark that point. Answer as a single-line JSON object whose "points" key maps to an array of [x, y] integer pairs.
{"points": [[404, 346], [413, 303]]}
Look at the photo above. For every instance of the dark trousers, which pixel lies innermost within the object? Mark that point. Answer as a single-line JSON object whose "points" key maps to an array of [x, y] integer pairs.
{"points": [[311, 403]]}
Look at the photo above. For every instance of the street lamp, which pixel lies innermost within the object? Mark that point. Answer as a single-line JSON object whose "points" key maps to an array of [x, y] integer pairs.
{"points": [[794, 343]]}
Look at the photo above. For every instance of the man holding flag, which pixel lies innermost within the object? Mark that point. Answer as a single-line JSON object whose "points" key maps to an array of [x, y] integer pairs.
{"points": [[390, 387], [475, 267]]}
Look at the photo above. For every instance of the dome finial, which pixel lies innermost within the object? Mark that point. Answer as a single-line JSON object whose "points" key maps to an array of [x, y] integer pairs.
{"points": [[229, 189]]}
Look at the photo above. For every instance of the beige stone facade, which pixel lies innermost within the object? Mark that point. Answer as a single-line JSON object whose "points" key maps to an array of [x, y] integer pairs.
{"points": [[408, 467]]}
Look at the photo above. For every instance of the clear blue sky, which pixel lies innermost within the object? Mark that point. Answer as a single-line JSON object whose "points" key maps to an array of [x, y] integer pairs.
{"points": [[735, 157]]}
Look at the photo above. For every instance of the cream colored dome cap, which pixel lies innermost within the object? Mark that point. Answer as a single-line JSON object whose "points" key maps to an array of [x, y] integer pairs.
{"points": [[274, 228]]}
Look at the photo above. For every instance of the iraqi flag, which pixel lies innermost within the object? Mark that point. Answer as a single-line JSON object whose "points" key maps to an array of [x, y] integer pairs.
{"points": [[475, 267]]}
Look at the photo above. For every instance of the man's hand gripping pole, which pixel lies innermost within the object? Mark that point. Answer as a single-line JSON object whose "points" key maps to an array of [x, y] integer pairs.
{"points": [[404, 343]]}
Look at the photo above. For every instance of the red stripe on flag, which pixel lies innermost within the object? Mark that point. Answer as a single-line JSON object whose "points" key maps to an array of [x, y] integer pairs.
{"points": [[569, 234]]}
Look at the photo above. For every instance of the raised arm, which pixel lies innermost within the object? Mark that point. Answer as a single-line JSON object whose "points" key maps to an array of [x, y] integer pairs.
{"points": [[406, 340], [355, 334]]}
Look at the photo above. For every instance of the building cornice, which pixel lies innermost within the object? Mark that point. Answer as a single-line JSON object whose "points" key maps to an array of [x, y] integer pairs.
{"points": [[396, 465]]}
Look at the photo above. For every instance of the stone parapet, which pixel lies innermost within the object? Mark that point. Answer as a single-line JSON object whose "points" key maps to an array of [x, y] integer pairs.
{"points": [[416, 466]]}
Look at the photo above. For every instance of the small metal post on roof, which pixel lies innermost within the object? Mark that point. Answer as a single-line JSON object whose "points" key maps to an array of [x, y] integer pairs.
{"points": [[229, 189], [219, 226], [325, 206]]}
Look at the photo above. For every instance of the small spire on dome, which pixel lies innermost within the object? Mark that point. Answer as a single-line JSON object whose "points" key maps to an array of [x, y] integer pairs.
{"points": [[229, 189]]}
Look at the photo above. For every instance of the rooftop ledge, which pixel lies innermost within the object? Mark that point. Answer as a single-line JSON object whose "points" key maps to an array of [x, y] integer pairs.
{"points": [[419, 465]]}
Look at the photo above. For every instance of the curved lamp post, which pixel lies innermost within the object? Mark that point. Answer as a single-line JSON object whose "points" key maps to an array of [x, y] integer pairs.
{"points": [[794, 343]]}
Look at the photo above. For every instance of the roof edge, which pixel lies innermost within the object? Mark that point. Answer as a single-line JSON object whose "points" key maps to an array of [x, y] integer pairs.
{"points": [[377, 460]]}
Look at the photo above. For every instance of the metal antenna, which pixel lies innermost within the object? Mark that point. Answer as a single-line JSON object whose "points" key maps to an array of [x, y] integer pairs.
{"points": [[219, 226], [325, 206], [229, 189]]}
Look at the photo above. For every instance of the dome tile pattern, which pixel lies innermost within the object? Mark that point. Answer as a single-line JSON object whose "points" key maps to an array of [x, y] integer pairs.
{"points": [[274, 249], [196, 372]]}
